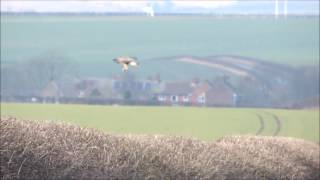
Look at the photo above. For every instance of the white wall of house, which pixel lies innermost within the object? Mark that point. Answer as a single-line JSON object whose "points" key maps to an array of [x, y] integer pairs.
{"points": [[162, 98], [174, 98], [202, 98], [185, 98]]}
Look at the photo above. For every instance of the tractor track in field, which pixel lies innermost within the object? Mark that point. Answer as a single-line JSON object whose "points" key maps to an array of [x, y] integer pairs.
{"points": [[262, 124], [278, 123]]}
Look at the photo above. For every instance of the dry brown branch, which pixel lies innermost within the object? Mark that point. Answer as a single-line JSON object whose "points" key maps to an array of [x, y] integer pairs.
{"points": [[44, 150]]}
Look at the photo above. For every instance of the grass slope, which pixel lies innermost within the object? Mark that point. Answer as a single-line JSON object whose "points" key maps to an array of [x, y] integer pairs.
{"points": [[203, 123], [37, 150], [91, 42], [304, 123]]}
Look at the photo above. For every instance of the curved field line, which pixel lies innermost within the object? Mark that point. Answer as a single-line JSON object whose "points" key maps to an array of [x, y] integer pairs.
{"points": [[215, 65], [262, 125], [278, 123]]}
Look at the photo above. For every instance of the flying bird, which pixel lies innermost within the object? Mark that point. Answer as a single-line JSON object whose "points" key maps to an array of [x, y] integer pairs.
{"points": [[126, 61]]}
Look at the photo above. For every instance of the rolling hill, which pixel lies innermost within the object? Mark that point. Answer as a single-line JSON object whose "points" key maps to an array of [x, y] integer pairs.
{"points": [[90, 42]]}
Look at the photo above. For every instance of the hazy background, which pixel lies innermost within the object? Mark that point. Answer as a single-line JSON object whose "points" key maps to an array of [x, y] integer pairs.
{"points": [[254, 63], [266, 52], [166, 6]]}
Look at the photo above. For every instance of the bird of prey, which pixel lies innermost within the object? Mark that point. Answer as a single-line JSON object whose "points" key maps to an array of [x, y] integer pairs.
{"points": [[126, 61]]}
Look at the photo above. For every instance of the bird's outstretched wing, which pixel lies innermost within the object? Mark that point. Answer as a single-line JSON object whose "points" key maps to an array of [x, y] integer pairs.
{"points": [[125, 61]]}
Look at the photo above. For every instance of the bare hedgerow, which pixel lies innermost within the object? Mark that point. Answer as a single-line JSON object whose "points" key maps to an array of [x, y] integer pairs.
{"points": [[44, 150]]}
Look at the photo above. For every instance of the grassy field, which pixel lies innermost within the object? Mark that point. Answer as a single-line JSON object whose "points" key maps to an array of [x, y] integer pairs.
{"points": [[91, 42], [202, 123]]}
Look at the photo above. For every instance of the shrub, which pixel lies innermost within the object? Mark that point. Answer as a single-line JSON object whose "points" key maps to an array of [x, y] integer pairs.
{"points": [[47, 150]]}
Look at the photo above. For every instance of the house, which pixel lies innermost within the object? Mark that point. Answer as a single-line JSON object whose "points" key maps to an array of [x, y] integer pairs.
{"points": [[205, 93], [176, 93], [198, 96], [220, 94]]}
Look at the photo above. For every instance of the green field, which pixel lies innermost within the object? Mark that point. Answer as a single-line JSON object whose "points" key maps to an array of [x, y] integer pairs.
{"points": [[91, 42], [203, 123]]}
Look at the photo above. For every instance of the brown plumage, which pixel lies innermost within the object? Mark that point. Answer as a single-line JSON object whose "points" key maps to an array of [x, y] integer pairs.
{"points": [[126, 61]]}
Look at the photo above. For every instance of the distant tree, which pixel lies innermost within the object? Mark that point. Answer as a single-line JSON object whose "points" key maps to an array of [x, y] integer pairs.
{"points": [[107, 91], [127, 95], [14, 81], [305, 82], [128, 77], [251, 93], [95, 93], [31, 76], [46, 67], [128, 89]]}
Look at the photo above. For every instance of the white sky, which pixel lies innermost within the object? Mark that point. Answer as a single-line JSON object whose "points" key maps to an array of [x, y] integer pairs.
{"points": [[204, 4], [220, 6], [102, 6]]}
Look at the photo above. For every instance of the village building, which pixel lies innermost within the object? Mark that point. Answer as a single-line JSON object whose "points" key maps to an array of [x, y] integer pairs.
{"points": [[103, 90], [221, 94], [206, 93], [176, 93]]}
